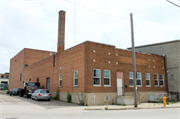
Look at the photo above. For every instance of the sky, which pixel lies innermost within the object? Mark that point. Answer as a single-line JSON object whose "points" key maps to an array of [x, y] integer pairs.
{"points": [[34, 24]]}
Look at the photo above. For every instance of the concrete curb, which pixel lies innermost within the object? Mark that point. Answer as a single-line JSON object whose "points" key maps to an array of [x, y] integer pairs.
{"points": [[129, 108]]}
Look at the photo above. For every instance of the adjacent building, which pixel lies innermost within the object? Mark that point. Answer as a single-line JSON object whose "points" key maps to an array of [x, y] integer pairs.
{"points": [[171, 51], [4, 81], [103, 73]]}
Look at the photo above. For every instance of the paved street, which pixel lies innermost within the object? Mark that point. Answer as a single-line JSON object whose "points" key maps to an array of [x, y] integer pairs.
{"points": [[15, 107]]}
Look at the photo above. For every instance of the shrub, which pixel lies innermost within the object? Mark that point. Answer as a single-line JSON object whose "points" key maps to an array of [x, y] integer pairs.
{"points": [[81, 99], [106, 108], [68, 97], [57, 95]]}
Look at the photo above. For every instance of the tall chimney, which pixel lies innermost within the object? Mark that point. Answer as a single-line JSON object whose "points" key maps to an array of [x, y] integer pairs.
{"points": [[61, 31]]}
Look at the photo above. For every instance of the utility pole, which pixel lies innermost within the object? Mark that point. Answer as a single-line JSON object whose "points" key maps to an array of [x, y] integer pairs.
{"points": [[134, 61]]}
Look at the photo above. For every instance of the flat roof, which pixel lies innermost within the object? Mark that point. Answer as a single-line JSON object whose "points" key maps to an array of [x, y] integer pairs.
{"points": [[156, 44]]}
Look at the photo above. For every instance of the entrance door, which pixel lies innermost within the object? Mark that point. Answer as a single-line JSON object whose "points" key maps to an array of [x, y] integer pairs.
{"points": [[119, 86], [48, 83]]}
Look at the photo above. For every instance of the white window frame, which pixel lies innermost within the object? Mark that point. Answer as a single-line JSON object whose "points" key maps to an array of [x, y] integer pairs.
{"points": [[138, 78], [161, 79], [131, 78], [60, 79], [148, 80], [108, 77], [97, 77], [155, 80], [76, 78]]}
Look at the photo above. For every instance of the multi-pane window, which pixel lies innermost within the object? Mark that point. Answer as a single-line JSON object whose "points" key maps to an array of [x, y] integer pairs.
{"points": [[106, 77], [148, 79], [96, 77], [156, 79], [161, 80], [75, 78], [60, 79], [131, 82], [138, 79]]}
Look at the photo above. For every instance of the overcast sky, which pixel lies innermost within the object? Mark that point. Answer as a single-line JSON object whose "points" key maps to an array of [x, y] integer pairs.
{"points": [[34, 24]]}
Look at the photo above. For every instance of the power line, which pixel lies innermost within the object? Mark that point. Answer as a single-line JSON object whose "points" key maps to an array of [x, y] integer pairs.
{"points": [[96, 10]]}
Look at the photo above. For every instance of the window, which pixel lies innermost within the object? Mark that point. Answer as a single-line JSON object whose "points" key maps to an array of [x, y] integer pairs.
{"points": [[7, 76], [29, 80], [131, 82], [106, 77], [138, 79], [161, 80], [25, 65], [96, 77], [37, 80], [4, 82], [2, 76], [75, 78], [60, 79], [156, 79], [148, 79]]}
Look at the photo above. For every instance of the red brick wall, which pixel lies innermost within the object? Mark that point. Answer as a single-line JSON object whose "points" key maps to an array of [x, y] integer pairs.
{"points": [[123, 57], [17, 63], [70, 60], [4, 76]]}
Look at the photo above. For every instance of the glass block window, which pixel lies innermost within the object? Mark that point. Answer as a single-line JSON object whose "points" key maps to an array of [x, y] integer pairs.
{"points": [[156, 80], [106, 77], [96, 77], [161, 80], [60, 79], [148, 79], [76, 78]]}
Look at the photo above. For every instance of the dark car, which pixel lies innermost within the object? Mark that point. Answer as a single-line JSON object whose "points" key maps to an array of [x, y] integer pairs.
{"points": [[14, 91]]}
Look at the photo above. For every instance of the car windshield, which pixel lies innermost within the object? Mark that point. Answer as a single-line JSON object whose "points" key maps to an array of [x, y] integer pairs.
{"points": [[16, 89], [44, 91], [34, 84]]}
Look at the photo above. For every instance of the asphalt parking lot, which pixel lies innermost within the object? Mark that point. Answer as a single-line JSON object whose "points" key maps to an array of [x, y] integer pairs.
{"points": [[16, 100]]}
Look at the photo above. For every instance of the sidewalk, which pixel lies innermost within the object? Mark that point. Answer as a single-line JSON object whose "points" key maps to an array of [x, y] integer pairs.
{"points": [[140, 106]]}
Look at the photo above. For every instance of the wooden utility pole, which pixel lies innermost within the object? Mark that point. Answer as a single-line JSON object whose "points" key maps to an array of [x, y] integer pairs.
{"points": [[134, 61]]}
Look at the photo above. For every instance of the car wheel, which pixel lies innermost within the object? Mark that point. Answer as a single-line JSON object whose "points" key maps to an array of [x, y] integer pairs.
{"points": [[36, 99]]}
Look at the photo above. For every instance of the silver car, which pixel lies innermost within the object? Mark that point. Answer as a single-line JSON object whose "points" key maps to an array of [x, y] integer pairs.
{"points": [[41, 94]]}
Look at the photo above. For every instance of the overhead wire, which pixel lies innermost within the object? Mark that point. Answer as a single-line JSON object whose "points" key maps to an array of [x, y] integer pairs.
{"points": [[75, 4]]}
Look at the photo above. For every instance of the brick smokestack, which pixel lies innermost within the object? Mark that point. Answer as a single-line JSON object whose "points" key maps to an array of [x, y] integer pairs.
{"points": [[61, 31]]}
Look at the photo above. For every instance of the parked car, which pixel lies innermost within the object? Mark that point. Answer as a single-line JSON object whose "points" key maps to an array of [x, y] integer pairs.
{"points": [[41, 94], [14, 91]]}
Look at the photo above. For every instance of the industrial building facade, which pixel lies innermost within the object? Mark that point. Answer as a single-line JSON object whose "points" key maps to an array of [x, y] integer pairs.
{"points": [[171, 51], [102, 72]]}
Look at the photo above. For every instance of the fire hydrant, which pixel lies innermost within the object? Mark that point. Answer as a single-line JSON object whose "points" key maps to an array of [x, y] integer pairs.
{"points": [[164, 101]]}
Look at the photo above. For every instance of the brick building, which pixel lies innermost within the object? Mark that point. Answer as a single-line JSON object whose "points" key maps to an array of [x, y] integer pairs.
{"points": [[102, 72], [4, 81], [171, 51]]}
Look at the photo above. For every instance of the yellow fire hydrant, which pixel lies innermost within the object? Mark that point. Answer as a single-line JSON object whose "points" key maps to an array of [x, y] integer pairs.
{"points": [[164, 101]]}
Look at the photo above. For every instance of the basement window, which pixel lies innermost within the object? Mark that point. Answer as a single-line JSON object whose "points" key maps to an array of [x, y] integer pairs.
{"points": [[96, 77]]}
